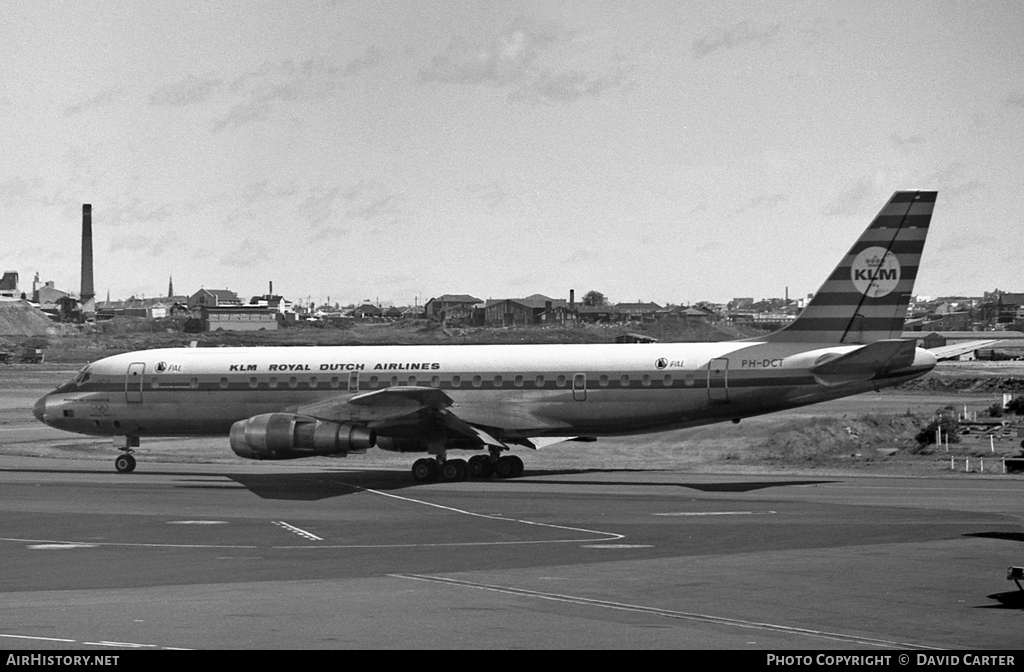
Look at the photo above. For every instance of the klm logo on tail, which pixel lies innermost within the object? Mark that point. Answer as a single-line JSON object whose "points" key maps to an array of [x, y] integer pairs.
{"points": [[865, 298], [875, 272]]}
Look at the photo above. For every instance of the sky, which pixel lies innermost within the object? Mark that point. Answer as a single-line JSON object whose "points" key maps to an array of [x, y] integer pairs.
{"points": [[395, 151]]}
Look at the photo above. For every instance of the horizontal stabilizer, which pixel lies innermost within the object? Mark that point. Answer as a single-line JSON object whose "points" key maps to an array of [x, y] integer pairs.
{"points": [[866, 362], [957, 349]]}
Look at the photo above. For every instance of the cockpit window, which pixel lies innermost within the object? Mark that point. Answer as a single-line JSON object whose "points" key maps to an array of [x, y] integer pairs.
{"points": [[82, 377]]}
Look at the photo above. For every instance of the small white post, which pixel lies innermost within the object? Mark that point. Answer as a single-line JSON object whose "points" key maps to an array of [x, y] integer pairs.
{"points": [[991, 444], [967, 464]]}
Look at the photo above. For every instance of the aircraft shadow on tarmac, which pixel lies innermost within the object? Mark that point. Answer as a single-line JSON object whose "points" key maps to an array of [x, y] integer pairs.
{"points": [[311, 486], [323, 485], [1013, 599]]}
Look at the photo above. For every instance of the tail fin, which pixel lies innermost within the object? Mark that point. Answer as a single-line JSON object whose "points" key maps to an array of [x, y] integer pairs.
{"points": [[866, 297]]}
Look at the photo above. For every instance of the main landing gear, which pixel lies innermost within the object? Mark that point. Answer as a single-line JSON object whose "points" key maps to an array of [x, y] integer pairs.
{"points": [[429, 469], [125, 464]]}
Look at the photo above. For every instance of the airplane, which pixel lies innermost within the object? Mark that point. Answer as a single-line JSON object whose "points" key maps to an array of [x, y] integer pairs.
{"points": [[277, 403]]}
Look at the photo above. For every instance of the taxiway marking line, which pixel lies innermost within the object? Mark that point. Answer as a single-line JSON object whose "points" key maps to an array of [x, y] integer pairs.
{"points": [[611, 536], [123, 645], [296, 530], [118, 543], [44, 639], [669, 613], [718, 513]]}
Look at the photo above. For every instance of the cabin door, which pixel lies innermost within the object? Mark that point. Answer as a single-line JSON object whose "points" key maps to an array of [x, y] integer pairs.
{"points": [[579, 387], [718, 379], [133, 383]]}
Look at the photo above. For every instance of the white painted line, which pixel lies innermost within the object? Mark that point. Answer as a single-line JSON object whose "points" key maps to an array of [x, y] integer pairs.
{"points": [[126, 645], [44, 639], [718, 513], [616, 546], [57, 547], [612, 536], [296, 530], [117, 543], [669, 613], [197, 522]]}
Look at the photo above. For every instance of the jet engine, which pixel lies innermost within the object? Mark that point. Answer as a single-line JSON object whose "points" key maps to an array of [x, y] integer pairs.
{"points": [[286, 436]]}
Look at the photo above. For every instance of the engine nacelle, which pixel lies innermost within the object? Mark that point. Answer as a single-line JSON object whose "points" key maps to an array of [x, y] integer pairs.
{"points": [[286, 436]]}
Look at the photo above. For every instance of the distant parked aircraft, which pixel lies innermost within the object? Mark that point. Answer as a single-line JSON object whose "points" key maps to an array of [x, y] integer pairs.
{"points": [[281, 403]]}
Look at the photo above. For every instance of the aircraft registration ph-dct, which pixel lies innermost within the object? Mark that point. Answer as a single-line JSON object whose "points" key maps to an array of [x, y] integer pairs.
{"points": [[280, 403]]}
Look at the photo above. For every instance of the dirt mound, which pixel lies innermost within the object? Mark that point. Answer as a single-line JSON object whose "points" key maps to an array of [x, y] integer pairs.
{"points": [[993, 384], [819, 441], [20, 318]]}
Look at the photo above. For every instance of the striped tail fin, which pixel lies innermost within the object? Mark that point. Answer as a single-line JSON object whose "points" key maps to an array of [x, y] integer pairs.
{"points": [[866, 297]]}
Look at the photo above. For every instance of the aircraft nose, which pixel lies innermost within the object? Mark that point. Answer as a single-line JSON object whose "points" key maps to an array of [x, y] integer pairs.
{"points": [[39, 409]]}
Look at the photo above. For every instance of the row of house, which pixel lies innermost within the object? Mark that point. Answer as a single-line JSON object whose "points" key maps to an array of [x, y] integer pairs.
{"points": [[538, 309]]}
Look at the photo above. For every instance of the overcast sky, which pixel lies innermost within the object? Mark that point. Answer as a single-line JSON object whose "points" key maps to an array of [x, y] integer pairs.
{"points": [[658, 151]]}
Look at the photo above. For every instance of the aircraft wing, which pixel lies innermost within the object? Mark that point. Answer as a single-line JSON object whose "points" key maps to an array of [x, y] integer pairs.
{"points": [[391, 409], [957, 349], [866, 362]]}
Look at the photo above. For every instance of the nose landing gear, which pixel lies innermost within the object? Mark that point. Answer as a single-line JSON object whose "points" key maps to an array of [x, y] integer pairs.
{"points": [[125, 464]]}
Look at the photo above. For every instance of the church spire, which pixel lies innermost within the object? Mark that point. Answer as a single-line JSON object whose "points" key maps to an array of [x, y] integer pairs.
{"points": [[170, 286]]}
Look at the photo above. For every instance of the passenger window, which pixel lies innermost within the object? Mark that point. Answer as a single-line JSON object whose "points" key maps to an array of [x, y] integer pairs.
{"points": [[456, 381], [624, 381], [435, 381], [253, 383], [477, 381], [645, 381], [272, 383], [498, 381], [667, 380], [540, 381], [335, 382], [293, 382], [519, 381], [603, 381], [312, 382], [374, 381], [223, 383], [560, 381]]}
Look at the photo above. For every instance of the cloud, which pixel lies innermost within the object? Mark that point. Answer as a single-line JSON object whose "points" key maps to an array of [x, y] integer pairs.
{"points": [[758, 202], [154, 246], [853, 200], [738, 35], [527, 59], [17, 188], [566, 87], [275, 84], [188, 91], [246, 255], [491, 194], [132, 213], [907, 142], [371, 202], [101, 99]]}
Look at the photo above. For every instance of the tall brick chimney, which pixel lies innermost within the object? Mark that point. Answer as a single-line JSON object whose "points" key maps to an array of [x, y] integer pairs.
{"points": [[88, 294]]}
